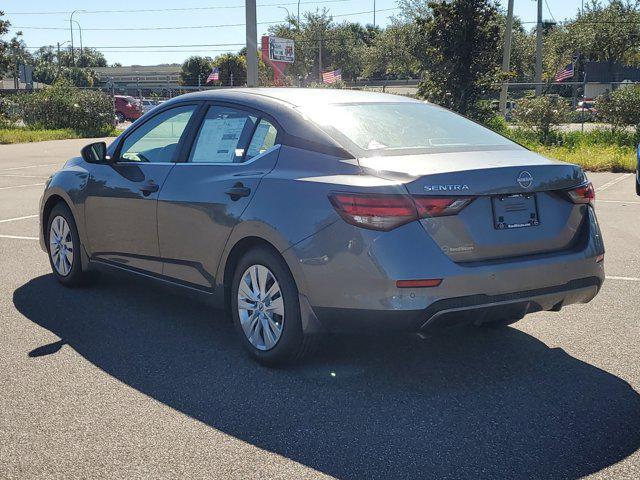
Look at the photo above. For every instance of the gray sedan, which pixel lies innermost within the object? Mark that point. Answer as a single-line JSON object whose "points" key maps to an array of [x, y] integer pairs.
{"points": [[305, 211]]}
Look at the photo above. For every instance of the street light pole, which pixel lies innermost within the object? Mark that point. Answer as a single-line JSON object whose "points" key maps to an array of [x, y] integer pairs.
{"points": [[73, 63], [80, 30], [288, 15]]}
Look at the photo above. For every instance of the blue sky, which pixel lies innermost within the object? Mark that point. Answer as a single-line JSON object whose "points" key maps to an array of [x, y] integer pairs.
{"points": [[112, 43]]}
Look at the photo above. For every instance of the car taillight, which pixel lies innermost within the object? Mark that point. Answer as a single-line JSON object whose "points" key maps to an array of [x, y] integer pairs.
{"points": [[386, 212], [377, 212], [583, 194]]}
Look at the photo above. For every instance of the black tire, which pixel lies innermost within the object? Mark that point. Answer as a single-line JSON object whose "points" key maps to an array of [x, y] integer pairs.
{"points": [[120, 117], [637, 184], [76, 276], [293, 345]]}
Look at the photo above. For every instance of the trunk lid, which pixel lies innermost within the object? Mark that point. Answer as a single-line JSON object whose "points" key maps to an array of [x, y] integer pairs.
{"points": [[510, 186]]}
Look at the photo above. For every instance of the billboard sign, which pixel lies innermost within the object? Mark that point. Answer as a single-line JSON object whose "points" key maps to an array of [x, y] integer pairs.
{"points": [[281, 50]]}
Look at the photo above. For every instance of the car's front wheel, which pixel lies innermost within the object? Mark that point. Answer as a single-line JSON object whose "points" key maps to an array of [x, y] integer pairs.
{"points": [[266, 309], [64, 246], [637, 183]]}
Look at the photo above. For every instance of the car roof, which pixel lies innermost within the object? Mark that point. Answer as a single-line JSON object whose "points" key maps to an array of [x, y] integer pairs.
{"points": [[300, 97]]}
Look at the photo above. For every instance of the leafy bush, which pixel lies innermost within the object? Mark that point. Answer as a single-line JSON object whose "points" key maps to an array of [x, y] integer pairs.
{"points": [[541, 115], [620, 108], [497, 123], [63, 106]]}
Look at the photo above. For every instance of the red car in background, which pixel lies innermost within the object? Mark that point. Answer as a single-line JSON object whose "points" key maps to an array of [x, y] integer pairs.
{"points": [[127, 108]]}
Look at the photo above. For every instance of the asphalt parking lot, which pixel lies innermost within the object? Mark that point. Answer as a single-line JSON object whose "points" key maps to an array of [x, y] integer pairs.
{"points": [[129, 379]]}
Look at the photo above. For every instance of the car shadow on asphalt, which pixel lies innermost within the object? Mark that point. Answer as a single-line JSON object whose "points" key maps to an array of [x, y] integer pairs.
{"points": [[472, 403]]}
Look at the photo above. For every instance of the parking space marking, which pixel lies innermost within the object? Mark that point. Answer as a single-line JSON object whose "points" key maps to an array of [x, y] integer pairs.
{"points": [[627, 279], [22, 176], [15, 219], [631, 202], [21, 186], [28, 166], [613, 182], [18, 237]]}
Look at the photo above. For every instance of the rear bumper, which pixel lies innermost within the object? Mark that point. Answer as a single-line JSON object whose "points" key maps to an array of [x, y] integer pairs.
{"points": [[471, 309], [349, 276]]}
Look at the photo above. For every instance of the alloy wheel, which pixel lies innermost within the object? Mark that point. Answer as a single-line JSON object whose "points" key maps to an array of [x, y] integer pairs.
{"points": [[61, 245], [261, 307]]}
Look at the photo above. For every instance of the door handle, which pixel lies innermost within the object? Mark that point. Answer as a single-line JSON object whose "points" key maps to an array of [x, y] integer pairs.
{"points": [[149, 188], [238, 191]]}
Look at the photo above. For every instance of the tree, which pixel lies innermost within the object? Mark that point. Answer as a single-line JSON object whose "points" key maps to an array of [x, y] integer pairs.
{"points": [[195, 70], [228, 64], [541, 114], [620, 108], [391, 54], [608, 33], [461, 53], [4, 28]]}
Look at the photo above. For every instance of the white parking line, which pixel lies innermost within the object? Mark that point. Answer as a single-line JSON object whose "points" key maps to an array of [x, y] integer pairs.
{"points": [[618, 201], [15, 219], [18, 237], [20, 186], [613, 182], [22, 176], [28, 166], [627, 279]]}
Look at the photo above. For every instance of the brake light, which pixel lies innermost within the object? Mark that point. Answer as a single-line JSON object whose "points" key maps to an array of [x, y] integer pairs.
{"points": [[583, 194], [386, 212], [377, 212]]}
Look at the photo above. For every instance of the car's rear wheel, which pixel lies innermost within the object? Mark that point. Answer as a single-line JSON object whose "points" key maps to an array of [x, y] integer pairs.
{"points": [[64, 246], [120, 117], [266, 309], [637, 184]]}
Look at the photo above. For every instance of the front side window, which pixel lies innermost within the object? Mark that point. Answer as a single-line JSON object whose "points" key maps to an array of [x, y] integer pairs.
{"points": [[157, 139], [223, 136]]}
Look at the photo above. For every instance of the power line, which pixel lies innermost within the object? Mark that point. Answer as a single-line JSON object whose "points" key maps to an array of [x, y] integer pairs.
{"points": [[180, 9], [189, 27], [549, 10]]}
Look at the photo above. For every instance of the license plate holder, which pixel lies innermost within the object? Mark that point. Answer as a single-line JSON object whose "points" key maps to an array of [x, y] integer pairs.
{"points": [[518, 210]]}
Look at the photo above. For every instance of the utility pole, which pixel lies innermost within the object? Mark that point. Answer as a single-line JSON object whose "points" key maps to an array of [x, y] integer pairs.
{"points": [[538, 78], [319, 58], [252, 47], [506, 57], [374, 13]]}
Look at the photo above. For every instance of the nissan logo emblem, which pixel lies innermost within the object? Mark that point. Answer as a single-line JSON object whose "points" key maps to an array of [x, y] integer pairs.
{"points": [[525, 180]]}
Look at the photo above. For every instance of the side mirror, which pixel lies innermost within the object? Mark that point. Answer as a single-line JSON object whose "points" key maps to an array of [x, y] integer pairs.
{"points": [[95, 152]]}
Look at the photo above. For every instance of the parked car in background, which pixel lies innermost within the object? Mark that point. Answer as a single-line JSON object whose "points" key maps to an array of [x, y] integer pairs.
{"points": [[127, 108], [306, 211], [148, 104]]}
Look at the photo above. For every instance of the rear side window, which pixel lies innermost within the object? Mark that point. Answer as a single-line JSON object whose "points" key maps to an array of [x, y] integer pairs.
{"points": [[263, 139], [223, 136]]}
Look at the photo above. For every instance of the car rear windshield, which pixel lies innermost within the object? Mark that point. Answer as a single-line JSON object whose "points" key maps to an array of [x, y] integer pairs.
{"points": [[379, 128]]}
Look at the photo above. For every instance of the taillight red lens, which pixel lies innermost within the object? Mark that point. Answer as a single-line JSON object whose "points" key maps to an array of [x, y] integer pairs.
{"points": [[440, 206], [583, 194], [377, 212], [385, 212]]}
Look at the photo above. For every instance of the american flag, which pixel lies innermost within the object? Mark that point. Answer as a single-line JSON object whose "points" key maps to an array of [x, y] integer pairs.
{"points": [[214, 76], [565, 74], [332, 77]]}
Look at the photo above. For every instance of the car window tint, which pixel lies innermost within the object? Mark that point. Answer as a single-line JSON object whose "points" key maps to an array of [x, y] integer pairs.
{"points": [[263, 139], [223, 136], [157, 139]]}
